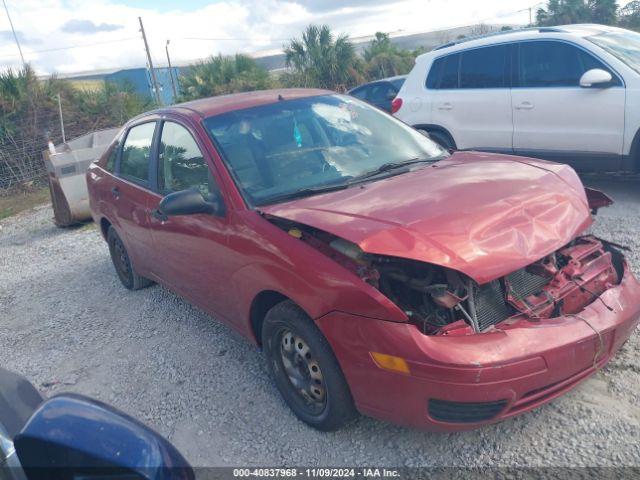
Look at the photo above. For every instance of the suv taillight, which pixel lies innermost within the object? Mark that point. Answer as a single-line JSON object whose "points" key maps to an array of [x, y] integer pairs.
{"points": [[396, 104]]}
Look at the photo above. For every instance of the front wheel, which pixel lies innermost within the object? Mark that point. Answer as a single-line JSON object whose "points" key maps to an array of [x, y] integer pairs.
{"points": [[305, 369]]}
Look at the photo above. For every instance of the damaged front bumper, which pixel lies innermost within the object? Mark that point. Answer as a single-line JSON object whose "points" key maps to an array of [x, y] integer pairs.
{"points": [[462, 382]]}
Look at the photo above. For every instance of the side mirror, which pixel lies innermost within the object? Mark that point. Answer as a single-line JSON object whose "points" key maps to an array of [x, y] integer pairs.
{"points": [[70, 436], [190, 202], [595, 78]]}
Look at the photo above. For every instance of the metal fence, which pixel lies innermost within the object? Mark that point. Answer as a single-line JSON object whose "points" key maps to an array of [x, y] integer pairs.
{"points": [[21, 148]]}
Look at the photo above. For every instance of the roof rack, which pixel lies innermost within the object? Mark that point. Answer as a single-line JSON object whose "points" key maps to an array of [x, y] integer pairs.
{"points": [[502, 32]]}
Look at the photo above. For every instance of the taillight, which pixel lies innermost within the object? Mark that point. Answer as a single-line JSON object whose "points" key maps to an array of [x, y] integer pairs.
{"points": [[396, 104]]}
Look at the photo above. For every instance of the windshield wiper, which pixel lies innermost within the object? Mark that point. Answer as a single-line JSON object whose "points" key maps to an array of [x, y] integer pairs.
{"points": [[306, 192], [399, 166]]}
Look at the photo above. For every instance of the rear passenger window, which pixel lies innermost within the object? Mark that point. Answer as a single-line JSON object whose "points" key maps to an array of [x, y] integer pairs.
{"points": [[484, 67], [450, 72], [554, 64], [435, 73], [134, 162], [444, 72]]}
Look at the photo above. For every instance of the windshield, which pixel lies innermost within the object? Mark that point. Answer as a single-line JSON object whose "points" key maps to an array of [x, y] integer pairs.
{"points": [[312, 143], [625, 46]]}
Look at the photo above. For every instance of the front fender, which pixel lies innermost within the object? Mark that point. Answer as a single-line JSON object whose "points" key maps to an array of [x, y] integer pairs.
{"points": [[317, 295]]}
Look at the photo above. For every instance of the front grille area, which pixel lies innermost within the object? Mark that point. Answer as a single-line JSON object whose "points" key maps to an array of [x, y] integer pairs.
{"points": [[490, 304], [524, 283], [464, 412], [490, 299]]}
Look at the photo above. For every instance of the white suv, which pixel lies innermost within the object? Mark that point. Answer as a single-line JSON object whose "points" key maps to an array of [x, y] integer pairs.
{"points": [[569, 94]]}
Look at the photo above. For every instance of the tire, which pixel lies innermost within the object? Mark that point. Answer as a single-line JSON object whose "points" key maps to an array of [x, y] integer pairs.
{"points": [[322, 398], [442, 139], [121, 262]]}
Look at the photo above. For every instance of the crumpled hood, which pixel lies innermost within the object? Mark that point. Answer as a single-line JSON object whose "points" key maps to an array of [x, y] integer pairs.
{"points": [[485, 215]]}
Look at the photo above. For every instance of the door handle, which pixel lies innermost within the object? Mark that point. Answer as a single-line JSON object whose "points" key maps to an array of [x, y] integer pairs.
{"points": [[158, 215], [525, 106], [445, 106], [115, 191]]}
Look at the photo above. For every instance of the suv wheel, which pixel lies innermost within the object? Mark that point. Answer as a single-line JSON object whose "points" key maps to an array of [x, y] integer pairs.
{"points": [[442, 139], [121, 262], [305, 369]]}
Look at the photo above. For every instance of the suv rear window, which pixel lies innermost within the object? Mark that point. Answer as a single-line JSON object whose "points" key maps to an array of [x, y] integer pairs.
{"points": [[444, 72], [484, 67]]}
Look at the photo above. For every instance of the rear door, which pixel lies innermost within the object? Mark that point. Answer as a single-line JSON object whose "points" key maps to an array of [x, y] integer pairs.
{"points": [[130, 193], [190, 252], [553, 116], [473, 97]]}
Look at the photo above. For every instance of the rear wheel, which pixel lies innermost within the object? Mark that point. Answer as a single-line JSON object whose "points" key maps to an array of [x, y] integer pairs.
{"points": [[305, 369], [121, 262], [441, 138]]}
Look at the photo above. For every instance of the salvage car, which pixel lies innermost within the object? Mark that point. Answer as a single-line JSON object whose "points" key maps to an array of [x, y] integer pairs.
{"points": [[378, 272]]}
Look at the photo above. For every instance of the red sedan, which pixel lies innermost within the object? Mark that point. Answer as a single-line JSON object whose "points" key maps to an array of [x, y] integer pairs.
{"points": [[378, 272]]}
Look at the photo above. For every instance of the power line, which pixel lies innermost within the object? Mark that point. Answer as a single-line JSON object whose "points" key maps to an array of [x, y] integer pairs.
{"points": [[69, 47], [237, 39], [15, 37]]}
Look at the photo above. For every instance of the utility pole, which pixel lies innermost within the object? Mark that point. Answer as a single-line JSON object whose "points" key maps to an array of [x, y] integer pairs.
{"points": [[15, 37], [173, 85], [64, 139], [154, 80], [530, 16]]}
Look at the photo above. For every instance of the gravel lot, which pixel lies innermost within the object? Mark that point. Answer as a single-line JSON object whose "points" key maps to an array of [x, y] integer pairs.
{"points": [[67, 324]]}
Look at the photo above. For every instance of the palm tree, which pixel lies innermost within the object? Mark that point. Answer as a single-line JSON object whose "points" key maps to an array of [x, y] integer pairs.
{"points": [[383, 59], [223, 74], [630, 15], [319, 60]]}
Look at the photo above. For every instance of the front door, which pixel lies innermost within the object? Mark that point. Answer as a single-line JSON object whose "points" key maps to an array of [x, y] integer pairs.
{"points": [[553, 116], [191, 252]]}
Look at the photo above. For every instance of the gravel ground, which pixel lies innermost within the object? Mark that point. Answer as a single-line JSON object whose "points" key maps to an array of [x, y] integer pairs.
{"points": [[67, 324]]}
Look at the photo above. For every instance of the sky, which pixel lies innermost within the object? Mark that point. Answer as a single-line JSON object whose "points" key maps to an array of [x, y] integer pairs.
{"points": [[105, 34]]}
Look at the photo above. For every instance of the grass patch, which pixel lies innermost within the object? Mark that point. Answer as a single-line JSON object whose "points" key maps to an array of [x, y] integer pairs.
{"points": [[19, 201]]}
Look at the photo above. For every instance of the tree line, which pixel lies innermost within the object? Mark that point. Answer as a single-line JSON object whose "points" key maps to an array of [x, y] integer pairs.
{"points": [[318, 59], [606, 12]]}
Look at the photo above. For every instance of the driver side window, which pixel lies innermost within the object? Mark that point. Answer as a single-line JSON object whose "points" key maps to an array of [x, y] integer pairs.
{"points": [[181, 165]]}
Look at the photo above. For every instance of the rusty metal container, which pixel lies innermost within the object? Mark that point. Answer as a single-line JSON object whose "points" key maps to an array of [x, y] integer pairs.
{"points": [[66, 170]]}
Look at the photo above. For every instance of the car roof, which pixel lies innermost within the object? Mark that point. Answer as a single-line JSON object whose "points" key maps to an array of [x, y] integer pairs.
{"points": [[577, 30], [207, 107]]}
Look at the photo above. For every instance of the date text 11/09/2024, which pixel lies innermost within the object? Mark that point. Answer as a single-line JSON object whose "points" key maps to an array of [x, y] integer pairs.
{"points": [[317, 472]]}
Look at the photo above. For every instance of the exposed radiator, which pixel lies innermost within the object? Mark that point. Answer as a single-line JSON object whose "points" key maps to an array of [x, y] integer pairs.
{"points": [[524, 283], [490, 304]]}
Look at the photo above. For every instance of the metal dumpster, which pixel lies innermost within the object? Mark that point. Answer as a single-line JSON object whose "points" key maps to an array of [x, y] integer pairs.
{"points": [[66, 170]]}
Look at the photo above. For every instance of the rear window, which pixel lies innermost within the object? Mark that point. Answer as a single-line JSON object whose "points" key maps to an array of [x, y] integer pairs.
{"points": [[444, 72], [134, 162], [484, 67]]}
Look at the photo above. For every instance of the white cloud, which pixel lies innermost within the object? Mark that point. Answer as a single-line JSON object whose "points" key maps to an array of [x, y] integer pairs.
{"points": [[254, 25]]}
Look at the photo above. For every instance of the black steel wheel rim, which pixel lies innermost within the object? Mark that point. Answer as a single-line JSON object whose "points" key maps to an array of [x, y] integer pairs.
{"points": [[302, 371], [121, 260]]}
